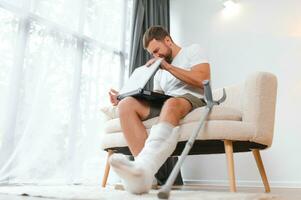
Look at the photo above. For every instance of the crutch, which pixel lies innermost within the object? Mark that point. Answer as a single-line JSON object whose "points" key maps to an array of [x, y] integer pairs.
{"points": [[165, 190]]}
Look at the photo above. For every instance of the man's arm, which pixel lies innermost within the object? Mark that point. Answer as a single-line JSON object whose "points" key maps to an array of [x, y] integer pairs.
{"points": [[194, 77]]}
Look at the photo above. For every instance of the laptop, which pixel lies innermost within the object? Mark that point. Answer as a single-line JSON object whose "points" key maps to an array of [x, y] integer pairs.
{"points": [[136, 83]]}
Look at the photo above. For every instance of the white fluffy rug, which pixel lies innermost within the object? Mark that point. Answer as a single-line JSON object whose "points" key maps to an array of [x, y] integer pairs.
{"points": [[98, 193]]}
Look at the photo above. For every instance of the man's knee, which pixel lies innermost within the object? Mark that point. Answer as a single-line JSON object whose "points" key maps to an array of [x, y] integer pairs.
{"points": [[177, 106], [129, 105], [126, 105], [173, 106]]}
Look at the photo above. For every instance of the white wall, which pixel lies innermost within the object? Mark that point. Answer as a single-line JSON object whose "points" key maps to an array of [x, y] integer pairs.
{"points": [[264, 36]]}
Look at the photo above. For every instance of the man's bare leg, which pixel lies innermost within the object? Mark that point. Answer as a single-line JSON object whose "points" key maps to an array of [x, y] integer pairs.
{"points": [[131, 113], [160, 144]]}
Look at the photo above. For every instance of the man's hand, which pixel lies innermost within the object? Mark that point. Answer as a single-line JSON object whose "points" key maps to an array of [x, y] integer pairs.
{"points": [[150, 62], [113, 97], [165, 65]]}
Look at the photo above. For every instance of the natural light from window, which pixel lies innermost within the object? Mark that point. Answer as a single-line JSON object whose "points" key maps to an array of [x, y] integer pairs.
{"points": [[58, 60]]}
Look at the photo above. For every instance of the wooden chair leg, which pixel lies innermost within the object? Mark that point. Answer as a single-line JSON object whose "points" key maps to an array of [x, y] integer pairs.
{"points": [[107, 170], [230, 163], [260, 166]]}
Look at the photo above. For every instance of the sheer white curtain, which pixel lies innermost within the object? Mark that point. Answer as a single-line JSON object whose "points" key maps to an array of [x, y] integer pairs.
{"points": [[58, 59]]}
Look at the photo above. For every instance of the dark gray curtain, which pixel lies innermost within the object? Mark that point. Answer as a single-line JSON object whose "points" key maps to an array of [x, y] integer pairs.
{"points": [[146, 13], [149, 13]]}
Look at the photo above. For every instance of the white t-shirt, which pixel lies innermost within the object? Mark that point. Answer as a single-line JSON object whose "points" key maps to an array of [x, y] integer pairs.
{"points": [[186, 58]]}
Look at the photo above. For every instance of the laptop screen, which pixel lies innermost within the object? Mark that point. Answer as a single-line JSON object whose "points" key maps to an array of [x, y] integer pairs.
{"points": [[140, 77]]}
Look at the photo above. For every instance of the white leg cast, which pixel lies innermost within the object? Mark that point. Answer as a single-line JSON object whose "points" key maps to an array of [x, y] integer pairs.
{"points": [[138, 175]]}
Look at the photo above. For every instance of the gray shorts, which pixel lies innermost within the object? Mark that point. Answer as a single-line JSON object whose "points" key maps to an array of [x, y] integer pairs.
{"points": [[195, 102]]}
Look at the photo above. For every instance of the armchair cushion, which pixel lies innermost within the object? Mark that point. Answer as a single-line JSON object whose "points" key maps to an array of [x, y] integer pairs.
{"points": [[217, 113], [212, 130]]}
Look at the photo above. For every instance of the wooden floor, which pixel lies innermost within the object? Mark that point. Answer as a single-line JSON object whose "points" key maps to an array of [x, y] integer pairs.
{"points": [[284, 193]]}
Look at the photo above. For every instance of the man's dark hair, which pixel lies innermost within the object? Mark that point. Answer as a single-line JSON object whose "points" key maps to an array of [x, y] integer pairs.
{"points": [[154, 32]]}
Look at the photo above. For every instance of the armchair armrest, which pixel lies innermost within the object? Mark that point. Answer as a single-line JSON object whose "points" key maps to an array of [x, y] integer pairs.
{"points": [[259, 102], [110, 112]]}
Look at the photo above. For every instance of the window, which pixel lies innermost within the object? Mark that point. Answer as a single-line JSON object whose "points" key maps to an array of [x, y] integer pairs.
{"points": [[58, 59]]}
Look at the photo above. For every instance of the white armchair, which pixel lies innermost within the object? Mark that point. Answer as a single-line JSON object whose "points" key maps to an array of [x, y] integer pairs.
{"points": [[244, 122]]}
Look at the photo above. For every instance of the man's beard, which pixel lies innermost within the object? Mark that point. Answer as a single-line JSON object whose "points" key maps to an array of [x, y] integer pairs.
{"points": [[168, 57]]}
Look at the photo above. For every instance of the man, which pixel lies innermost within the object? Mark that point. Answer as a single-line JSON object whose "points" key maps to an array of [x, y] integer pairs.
{"points": [[181, 75]]}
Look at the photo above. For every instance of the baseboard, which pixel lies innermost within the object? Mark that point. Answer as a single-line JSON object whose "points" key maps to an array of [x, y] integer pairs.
{"points": [[225, 183]]}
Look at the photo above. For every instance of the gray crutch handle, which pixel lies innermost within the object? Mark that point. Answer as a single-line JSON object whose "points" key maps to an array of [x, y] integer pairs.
{"points": [[208, 95], [208, 91]]}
